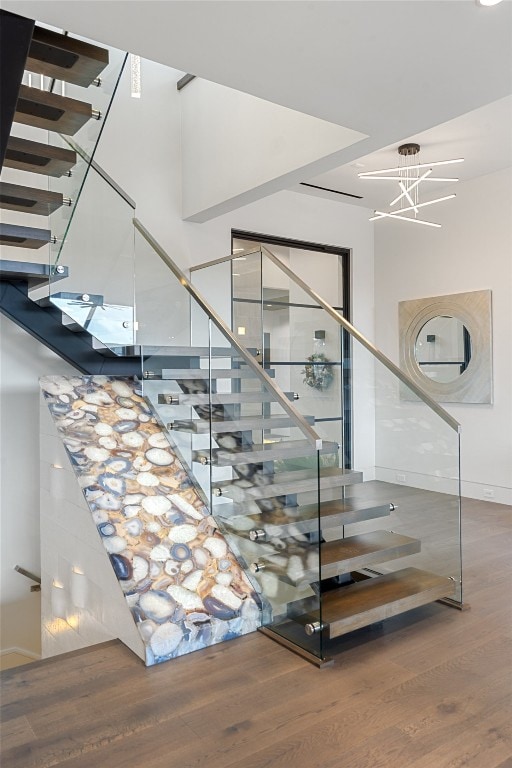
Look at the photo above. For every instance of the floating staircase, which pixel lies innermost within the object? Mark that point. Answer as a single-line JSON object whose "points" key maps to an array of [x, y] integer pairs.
{"points": [[78, 63], [278, 493]]}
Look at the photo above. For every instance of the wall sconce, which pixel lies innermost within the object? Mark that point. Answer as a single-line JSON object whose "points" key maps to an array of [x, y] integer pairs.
{"points": [[79, 588], [241, 330], [58, 601]]}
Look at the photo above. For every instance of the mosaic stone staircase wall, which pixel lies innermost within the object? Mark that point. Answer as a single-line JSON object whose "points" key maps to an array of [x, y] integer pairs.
{"points": [[179, 583]]}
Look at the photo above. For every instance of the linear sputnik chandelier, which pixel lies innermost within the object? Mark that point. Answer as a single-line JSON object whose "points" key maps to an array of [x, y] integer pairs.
{"points": [[410, 174]]}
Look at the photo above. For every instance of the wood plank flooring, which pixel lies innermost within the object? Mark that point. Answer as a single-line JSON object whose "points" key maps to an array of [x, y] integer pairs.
{"points": [[429, 689]]}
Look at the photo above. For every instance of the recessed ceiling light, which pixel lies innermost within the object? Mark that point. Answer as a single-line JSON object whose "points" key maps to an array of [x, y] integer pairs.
{"points": [[488, 2]]}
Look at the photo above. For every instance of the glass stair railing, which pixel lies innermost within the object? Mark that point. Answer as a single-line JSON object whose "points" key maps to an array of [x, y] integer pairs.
{"points": [[401, 525], [98, 293], [330, 548]]}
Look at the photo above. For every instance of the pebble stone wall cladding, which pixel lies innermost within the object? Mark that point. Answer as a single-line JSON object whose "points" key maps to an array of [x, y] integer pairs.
{"points": [[183, 586]]}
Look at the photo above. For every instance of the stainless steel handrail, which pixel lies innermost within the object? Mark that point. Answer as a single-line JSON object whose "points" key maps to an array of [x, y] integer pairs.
{"points": [[381, 357], [287, 406], [231, 257], [28, 574]]}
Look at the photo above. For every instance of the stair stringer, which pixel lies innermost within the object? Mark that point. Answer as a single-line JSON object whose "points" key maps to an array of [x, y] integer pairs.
{"points": [[177, 576]]}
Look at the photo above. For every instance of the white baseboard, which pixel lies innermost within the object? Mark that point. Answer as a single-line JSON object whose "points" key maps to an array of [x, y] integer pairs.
{"points": [[483, 491], [416, 480], [21, 651]]}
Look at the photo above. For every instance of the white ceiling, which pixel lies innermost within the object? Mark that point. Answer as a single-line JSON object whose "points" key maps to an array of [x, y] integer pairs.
{"points": [[482, 137], [391, 69]]}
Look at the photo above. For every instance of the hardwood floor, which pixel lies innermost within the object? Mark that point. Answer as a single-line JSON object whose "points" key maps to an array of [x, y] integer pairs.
{"points": [[429, 689]]}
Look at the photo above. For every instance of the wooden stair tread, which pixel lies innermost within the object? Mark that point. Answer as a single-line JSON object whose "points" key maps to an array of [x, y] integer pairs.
{"points": [[366, 602], [339, 513], [51, 111], [35, 157], [24, 237], [257, 453], [65, 58], [365, 549], [340, 556], [198, 374], [286, 483], [293, 520], [16, 197], [202, 426], [182, 351], [223, 398]]}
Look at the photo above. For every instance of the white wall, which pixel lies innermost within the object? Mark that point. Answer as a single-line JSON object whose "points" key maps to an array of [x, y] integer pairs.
{"points": [[90, 606], [238, 148], [141, 148], [22, 361], [472, 251]]}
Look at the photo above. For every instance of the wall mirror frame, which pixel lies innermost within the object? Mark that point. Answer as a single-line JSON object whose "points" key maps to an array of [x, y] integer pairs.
{"points": [[474, 383]]}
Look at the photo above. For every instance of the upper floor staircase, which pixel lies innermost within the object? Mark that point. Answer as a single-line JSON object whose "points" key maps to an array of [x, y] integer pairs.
{"points": [[88, 75]]}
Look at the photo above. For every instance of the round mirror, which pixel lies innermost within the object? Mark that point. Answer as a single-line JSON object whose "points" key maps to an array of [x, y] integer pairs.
{"points": [[443, 348]]}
